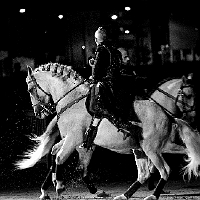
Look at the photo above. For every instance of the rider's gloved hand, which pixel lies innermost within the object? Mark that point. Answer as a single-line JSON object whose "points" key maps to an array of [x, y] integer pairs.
{"points": [[92, 62]]}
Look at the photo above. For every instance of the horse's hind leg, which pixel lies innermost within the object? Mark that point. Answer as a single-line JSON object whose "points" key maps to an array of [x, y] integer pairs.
{"points": [[164, 171], [151, 185], [61, 156], [143, 166]]}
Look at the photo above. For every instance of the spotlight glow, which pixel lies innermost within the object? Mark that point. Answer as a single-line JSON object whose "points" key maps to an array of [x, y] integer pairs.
{"points": [[60, 16], [114, 17], [22, 10], [127, 31], [127, 8]]}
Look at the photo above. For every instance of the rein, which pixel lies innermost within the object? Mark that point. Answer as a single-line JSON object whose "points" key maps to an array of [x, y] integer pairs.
{"points": [[50, 107], [167, 111], [180, 93], [56, 103], [69, 105], [172, 97], [37, 85]]}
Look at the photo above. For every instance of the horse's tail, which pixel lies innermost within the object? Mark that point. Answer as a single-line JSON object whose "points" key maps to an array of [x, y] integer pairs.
{"points": [[43, 146], [191, 139]]}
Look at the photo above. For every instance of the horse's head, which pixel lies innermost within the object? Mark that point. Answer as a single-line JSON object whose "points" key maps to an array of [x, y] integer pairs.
{"points": [[185, 99], [39, 94]]}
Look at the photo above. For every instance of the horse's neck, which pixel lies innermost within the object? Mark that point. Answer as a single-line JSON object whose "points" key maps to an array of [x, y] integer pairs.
{"points": [[168, 102], [56, 87], [64, 93]]}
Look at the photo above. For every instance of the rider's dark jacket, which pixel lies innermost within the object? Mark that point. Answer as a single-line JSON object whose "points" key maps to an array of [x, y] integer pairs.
{"points": [[105, 74], [107, 65]]}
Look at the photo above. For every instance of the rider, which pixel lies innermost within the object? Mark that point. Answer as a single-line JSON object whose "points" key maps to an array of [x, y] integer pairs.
{"points": [[130, 77], [126, 68], [104, 91]]}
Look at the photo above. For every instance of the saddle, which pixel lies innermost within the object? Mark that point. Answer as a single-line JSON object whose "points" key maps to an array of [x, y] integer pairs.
{"points": [[102, 103]]}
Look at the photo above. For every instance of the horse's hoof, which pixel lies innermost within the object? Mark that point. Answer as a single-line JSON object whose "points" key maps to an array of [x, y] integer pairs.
{"points": [[120, 197], [59, 191], [103, 194], [92, 189], [151, 197], [46, 197]]}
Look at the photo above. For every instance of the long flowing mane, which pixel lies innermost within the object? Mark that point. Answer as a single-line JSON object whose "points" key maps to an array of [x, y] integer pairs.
{"points": [[63, 72]]}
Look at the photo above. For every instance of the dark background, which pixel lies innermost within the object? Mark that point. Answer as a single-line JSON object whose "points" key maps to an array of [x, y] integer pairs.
{"points": [[18, 121]]}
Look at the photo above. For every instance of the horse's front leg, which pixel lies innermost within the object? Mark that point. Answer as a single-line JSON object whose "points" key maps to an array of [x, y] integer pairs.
{"points": [[64, 149], [143, 166], [49, 178], [84, 161], [45, 185], [57, 172], [60, 186]]}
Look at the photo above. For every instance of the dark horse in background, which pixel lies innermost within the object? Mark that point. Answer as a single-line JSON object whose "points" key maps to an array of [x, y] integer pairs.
{"points": [[158, 114]]}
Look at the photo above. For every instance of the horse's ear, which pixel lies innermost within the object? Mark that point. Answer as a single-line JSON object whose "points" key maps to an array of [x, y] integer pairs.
{"points": [[188, 79], [184, 79], [30, 71]]}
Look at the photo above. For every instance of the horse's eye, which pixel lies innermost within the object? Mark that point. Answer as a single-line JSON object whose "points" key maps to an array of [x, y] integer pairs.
{"points": [[189, 96], [31, 90]]}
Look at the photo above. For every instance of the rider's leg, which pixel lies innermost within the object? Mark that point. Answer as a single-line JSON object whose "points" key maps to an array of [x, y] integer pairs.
{"points": [[91, 133]]}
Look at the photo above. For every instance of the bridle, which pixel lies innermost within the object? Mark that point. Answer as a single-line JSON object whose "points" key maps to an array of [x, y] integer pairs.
{"points": [[50, 107], [186, 108], [47, 107]]}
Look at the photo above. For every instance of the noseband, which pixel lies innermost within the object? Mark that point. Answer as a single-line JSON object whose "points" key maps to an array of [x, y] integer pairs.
{"points": [[47, 107]]}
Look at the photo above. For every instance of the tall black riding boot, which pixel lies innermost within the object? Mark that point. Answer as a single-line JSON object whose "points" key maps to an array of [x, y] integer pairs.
{"points": [[90, 136]]}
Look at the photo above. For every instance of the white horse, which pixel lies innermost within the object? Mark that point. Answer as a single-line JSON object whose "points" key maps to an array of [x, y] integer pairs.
{"points": [[157, 115]]}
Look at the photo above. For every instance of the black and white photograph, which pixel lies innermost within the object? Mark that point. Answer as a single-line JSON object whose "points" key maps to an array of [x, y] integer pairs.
{"points": [[100, 100]]}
